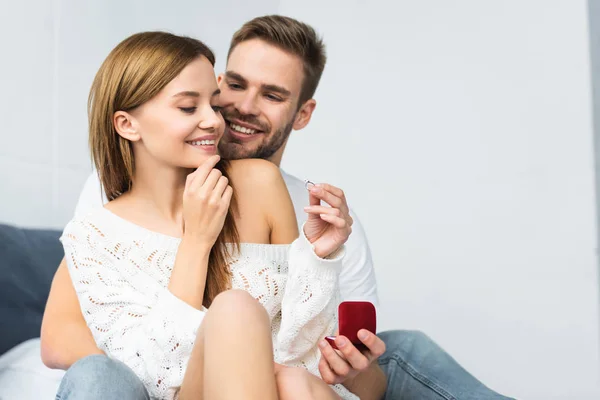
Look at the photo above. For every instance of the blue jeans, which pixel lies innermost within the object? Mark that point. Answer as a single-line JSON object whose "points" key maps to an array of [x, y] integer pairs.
{"points": [[416, 369], [99, 377]]}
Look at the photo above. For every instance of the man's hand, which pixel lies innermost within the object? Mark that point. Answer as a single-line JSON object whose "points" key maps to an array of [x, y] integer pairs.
{"points": [[327, 228], [345, 364]]}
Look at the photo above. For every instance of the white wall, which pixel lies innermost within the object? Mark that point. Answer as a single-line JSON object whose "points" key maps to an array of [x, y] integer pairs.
{"points": [[51, 52], [461, 131]]}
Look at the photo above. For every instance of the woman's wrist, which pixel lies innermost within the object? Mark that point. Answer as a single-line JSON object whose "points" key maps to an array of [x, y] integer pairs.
{"points": [[200, 247]]}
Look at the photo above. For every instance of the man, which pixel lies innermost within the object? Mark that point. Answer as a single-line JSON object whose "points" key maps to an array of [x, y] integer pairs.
{"points": [[273, 69]]}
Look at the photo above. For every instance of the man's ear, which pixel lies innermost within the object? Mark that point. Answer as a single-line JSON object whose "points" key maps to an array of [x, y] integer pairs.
{"points": [[220, 79], [126, 126], [304, 114]]}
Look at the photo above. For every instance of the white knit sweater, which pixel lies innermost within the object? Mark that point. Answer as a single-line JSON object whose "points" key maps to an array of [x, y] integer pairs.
{"points": [[121, 272]]}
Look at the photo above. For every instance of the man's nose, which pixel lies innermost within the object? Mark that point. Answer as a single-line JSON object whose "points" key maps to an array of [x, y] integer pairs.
{"points": [[248, 105]]}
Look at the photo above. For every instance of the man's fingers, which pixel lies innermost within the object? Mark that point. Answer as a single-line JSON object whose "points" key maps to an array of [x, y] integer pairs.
{"points": [[357, 360], [327, 374], [373, 342], [328, 198], [338, 222], [333, 190], [323, 210], [337, 364]]}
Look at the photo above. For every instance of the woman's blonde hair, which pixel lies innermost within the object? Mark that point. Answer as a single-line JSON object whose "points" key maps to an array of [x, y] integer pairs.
{"points": [[134, 72]]}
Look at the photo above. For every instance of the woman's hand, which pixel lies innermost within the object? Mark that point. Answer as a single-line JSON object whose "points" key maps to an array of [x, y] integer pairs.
{"points": [[206, 200], [327, 228]]}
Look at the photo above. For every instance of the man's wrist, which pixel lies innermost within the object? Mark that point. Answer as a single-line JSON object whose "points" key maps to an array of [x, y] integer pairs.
{"points": [[370, 383]]}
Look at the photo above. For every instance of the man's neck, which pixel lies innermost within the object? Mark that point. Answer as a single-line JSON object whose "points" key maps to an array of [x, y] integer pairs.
{"points": [[278, 155]]}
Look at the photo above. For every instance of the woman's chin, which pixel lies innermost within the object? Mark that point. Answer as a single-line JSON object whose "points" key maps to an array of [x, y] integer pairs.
{"points": [[193, 162]]}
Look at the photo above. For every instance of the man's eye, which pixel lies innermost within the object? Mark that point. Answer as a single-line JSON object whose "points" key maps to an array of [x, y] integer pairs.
{"points": [[273, 97], [188, 110], [217, 108], [235, 86]]}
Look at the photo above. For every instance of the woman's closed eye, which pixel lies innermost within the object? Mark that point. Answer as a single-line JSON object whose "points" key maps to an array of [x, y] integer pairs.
{"points": [[188, 110]]}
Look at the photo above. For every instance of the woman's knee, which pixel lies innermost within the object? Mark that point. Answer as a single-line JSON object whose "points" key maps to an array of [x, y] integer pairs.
{"points": [[293, 383], [298, 383], [240, 305]]}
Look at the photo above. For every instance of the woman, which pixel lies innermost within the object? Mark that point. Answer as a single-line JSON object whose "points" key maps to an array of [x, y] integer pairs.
{"points": [[153, 267]]}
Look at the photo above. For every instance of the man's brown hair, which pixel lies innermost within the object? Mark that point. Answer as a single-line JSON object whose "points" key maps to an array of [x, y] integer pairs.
{"points": [[292, 36]]}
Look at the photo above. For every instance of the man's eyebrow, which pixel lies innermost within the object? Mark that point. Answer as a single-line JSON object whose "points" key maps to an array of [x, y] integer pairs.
{"points": [[235, 75], [268, 87], [187, 93], [277, 89]]}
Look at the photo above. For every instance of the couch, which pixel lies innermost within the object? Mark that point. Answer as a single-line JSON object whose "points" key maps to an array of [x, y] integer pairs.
{"points": [[28, 260]]}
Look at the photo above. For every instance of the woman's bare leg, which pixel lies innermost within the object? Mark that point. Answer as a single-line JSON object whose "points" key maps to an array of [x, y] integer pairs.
{"points": [[299, 384], [233, 354]]}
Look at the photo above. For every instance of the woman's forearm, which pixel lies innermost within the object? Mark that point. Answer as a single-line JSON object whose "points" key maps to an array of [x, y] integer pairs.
{"points": [[188, 278]]}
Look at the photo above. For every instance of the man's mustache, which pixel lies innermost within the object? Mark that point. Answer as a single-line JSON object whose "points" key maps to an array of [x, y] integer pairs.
{"points": [[249, 119]]}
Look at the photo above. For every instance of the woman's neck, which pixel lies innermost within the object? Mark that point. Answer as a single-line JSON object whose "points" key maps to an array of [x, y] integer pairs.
{"points": [[158, 189]]}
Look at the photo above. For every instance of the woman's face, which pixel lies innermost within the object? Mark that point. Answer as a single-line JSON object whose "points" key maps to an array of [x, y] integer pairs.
{"points": [[182, 125]]}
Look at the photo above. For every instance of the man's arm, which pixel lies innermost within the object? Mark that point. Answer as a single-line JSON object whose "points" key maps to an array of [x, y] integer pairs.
{"points": [[370, 384], [357, 280], [65, 337], [359, 372]]}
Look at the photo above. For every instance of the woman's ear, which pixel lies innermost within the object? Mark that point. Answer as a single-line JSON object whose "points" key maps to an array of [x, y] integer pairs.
{"points": [[126, 126]]}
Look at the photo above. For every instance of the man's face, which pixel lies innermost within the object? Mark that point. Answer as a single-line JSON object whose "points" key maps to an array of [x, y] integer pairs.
{"points": [[259, 96]]}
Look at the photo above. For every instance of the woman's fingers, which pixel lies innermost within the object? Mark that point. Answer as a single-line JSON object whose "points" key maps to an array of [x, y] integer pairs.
{"points": [[219, 188], [197, 178]]}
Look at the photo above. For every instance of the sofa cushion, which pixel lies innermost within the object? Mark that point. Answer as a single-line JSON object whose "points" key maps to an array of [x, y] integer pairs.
{"points": [[28, 260]]}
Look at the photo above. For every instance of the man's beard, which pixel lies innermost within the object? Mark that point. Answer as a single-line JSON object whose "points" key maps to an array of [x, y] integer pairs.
{"points": [[234, 149]]}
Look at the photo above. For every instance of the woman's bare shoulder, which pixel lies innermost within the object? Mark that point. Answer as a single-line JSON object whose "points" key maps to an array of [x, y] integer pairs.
{"points": [[253, 171], [262, 194]]}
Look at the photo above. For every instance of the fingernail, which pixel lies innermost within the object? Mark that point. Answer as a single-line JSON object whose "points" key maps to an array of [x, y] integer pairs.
{"points": [[306, 208], [315, 189], [308, 184], [340, 342], [322, 344], [362, 335]]}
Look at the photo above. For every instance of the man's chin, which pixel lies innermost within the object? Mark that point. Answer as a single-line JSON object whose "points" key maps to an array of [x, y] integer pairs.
{"points": [[235, 151]]}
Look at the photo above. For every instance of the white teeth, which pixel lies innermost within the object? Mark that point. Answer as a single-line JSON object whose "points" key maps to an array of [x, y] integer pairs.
{"points": [[202, 142], [241, 129]]}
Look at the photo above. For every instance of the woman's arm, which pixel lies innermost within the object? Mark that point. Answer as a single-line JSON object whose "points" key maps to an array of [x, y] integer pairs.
{"points": [[131, 316], [310, 300], [65, 337]]}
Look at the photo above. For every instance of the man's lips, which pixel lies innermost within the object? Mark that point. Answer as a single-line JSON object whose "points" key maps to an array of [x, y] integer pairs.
{"points": [[240, 136], [243, 126]]}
